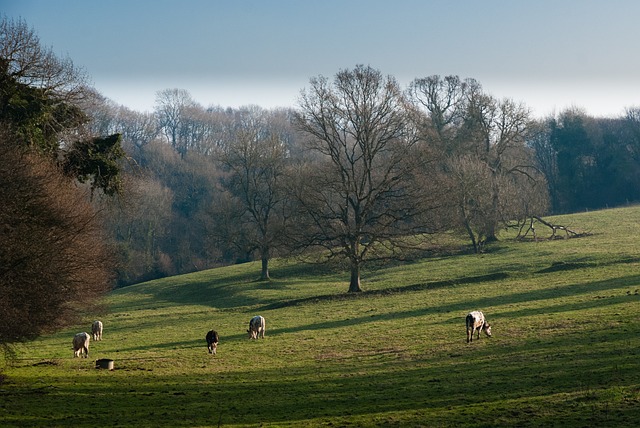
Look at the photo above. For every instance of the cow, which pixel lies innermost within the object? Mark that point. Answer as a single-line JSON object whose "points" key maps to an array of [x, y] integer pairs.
{"points": [[96, 330], [81, 344], [476, 323], [212, 341], [257, 327]]}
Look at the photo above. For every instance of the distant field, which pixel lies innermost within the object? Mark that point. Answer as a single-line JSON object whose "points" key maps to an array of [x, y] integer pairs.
{"points": [[565, 349]]}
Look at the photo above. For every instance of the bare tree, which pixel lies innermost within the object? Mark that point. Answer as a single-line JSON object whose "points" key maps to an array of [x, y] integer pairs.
{"points": [[362, 191], [471, 181], [445, 101], [254, 161], [36, 66], [171, 110], [481, 135], [137, 129]]}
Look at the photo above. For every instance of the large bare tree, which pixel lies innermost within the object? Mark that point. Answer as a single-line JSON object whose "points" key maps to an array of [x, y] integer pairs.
{"points": [[254, 162], [501, 128], [363, 190], [492, 172]]}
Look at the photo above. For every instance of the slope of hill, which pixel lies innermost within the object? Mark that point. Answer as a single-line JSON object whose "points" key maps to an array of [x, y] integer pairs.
{"points": [[565, 346]]}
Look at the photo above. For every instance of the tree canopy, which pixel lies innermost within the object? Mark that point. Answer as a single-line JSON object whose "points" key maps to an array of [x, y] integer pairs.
{"points": [[364, 189]]}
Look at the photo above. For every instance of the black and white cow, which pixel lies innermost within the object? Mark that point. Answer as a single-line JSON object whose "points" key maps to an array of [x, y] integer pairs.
{"points": [[257, 327], [212, 341], [476, 323]]}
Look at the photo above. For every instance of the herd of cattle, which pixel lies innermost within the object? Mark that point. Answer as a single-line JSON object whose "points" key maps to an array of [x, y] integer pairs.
{"points": [[257, 328], [475, 322]]}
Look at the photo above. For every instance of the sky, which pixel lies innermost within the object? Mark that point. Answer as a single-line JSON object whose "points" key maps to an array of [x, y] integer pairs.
{"points": [[548, 54]]}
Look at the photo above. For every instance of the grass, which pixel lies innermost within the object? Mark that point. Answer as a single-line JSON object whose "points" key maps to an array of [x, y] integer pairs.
{"points": [[565, 351]]}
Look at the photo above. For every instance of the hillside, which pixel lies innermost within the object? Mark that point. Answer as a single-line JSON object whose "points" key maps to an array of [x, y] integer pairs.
{"points": [[565, 348]]}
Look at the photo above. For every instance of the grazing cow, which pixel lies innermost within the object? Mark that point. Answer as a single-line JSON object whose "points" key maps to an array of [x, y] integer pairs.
{"points": [[96, 330], [212, 341], [81, 344], [475, 323], [257, 327]]}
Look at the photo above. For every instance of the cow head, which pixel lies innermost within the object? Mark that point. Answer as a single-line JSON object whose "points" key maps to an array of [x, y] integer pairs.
{"points": [[487, 329]]}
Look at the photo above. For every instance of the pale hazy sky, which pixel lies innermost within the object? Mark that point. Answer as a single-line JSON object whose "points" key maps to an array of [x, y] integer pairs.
{"points": [[549, 54]]}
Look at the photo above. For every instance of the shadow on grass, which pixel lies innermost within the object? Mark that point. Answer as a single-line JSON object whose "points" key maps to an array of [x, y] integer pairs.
{"points": [[387, 291], [223, 292], [197, 343], [493, 301], [566, 266], [495, 276], [237, 291], [559, 375]]}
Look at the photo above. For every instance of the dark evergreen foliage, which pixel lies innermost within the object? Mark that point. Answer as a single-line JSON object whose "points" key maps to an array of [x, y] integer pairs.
{"points": [[96, 161], [598, 162]]}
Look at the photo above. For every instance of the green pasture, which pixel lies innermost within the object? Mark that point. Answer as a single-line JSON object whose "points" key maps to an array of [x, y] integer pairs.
{"points": [[565, 349]]}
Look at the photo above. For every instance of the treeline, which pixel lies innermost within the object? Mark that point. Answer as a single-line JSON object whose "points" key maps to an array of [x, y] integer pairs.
{"points": [[209, 186], [184, 208]]}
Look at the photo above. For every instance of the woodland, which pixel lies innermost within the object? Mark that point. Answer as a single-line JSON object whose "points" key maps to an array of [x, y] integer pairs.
{"points": [[188, 207]]}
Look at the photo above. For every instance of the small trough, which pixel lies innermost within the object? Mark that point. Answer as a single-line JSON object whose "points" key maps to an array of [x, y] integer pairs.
{"points": [[104, 363]]}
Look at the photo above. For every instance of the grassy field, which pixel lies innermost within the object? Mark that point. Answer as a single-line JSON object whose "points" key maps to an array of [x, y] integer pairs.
{"points": [[565, 349]]}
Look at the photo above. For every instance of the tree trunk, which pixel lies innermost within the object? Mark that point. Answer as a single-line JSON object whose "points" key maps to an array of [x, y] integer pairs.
{"points": [[264, 276], [472, 236], [495, 201], [354, 285]]}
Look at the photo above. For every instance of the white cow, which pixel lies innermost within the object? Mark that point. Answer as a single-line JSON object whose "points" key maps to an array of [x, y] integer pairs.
{"points": [[476, 323], [257, 327], [81, 344], [96, 330]]}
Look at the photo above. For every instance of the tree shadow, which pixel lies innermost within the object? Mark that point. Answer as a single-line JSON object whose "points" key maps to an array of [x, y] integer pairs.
{"points": [[492, 301], [345, 388]]}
